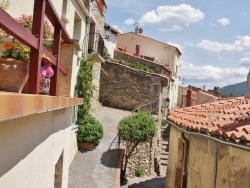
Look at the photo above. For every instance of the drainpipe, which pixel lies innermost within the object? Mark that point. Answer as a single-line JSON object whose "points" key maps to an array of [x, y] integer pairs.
{"points": [[184, 176]]}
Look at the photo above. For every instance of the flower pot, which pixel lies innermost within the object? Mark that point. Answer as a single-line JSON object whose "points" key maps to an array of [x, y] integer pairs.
{"points": [[44, 85], [13, 75], [86, 146]]}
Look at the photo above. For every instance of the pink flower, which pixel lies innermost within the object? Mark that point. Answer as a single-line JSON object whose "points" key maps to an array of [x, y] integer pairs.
{"points": [[46, 71]]}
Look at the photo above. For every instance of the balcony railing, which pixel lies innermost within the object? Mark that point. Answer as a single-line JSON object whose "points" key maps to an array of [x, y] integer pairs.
{"points": [[34, 40], [93, 43]]}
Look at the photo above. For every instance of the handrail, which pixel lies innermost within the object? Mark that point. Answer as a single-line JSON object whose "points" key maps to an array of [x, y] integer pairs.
{"points": [[143, 105]]}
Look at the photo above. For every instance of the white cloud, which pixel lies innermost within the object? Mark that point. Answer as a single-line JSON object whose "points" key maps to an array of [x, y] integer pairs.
{"points": [[243, 41], [172, 18], [245, 61], [217, 47], [241, 44], [212, 76], [129, 21], [118, 28], [224, 21]]}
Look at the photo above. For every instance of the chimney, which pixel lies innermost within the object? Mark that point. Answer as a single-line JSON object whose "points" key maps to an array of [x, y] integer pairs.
{"points": [[137, 30], [137, 50]]}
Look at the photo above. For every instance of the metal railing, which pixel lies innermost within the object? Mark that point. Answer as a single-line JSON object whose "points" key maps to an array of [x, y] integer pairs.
{"points": [[93, 43]]}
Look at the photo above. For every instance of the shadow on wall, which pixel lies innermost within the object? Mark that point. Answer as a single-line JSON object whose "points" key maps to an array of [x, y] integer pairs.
{"points": [[20, 137]]}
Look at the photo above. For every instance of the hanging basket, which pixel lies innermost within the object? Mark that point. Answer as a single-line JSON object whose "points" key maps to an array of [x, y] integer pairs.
{"points": [[13, 75]]}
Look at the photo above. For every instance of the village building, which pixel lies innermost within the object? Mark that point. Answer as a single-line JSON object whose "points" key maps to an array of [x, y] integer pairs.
{"points": [[209, 145]]}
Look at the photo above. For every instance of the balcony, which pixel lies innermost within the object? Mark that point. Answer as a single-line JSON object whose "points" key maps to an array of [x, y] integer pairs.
{"points": [[34, 41], [93, 43]]}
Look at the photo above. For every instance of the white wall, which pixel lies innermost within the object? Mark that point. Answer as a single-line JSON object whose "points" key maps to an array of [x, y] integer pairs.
{"points": [[30, 147], [111, 43]]}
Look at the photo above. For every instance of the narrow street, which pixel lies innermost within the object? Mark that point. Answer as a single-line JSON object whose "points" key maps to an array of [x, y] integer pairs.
{"points": [[97, 168]]}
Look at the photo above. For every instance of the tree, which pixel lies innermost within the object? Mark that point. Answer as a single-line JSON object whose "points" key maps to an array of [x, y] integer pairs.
{"points": [[135, 129]]}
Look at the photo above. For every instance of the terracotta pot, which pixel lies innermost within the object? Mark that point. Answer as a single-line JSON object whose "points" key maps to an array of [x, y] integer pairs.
{"points": [[13, 75], [86, 146]]}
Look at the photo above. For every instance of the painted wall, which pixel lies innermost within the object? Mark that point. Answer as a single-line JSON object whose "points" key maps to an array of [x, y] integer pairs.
{"points": [[30, 148], [209, 163], [167, 54], [110, 43]]}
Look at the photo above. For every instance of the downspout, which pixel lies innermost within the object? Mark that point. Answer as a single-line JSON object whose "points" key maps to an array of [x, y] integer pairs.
{"points": [[186, 145]]}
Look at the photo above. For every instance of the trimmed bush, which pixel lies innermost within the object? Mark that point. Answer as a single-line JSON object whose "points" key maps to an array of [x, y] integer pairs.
{"points": [[90, 130]]}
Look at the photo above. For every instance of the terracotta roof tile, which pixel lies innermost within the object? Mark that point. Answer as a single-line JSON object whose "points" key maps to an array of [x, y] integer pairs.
{"points": [[226, 119]]}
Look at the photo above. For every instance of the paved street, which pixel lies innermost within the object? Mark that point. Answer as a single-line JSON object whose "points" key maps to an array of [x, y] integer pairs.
{"points": [[97, 168]]}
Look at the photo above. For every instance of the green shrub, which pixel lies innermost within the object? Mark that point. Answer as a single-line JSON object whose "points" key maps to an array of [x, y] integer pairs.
{"points": [[139, 171], [90, 130], [139, 66], [138, 127]]}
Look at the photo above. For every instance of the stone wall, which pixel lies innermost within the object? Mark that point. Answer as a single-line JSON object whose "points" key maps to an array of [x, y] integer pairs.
{"points": [[158, 69], [127, 88], [99, 17], [95, 104], [141, 157]]}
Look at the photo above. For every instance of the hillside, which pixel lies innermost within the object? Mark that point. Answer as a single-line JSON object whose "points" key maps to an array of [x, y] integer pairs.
{"points": [[235, 89]]}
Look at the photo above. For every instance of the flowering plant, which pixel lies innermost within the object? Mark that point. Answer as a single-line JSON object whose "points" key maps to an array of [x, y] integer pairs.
{"points": [[26, 22], [46, 70], [19, 52]]}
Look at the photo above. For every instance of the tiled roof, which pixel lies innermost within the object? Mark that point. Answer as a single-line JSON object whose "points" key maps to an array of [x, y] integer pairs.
{"points": [[225, 119]]}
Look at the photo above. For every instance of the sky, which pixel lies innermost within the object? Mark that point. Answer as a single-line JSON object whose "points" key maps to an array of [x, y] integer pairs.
{"points": [[213, 36]]}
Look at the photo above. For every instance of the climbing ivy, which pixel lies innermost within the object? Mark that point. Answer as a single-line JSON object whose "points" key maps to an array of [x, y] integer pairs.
{"points": [[84, 87], [106, 54]]}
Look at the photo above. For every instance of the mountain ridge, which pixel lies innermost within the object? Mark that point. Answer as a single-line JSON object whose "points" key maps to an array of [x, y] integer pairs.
{"points": [[235, 89]]}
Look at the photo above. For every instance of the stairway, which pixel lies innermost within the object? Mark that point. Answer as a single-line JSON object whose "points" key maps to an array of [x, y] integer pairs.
{"points": [[164, 150]]}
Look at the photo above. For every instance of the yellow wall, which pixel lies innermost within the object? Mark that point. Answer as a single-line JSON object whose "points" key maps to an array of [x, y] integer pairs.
{"points": [[209, 163]]}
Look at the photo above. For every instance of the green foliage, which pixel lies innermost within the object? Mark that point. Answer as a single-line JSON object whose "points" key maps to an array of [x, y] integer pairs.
{"points": [[139, 171], [5, 4], [164, 122], [141, 67], [19, 52], [106, 53], [90, 130], [84, 86], [138, 127]]}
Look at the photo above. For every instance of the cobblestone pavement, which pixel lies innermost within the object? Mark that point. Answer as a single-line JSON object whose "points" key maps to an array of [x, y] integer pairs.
{"points": [[97, 168]]}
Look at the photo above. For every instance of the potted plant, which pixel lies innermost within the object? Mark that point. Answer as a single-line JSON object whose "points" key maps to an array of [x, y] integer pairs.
{"points": [[89, 133], [46, 72], [14, 67]]}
